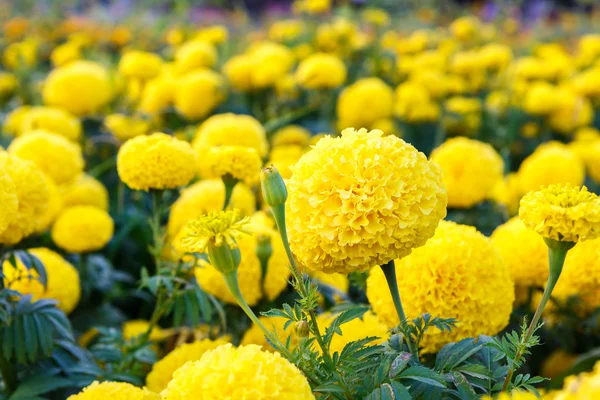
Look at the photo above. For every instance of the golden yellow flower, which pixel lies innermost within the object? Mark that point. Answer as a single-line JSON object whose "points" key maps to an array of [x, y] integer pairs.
{"points": [[321, 71], [124, 127], [163, 369], [284, 158], [81, 87], [562, 212], [198, 93], [63, 283], [8, 84], [514, 395], [20, 55], [357, 329], [215, 34], [255, 335], [414, 104], [376, 16], [157, 161], [231, 130], [241, 163], [497, 102], [236, 373], [557, 363], [31, 190], [82, 229], [55, 120], [216, 227], [456, 274], [85, 191], [345, 216], [551, 163], [585, 386], [573, 111], [238, 70], [508, 193], [65, 53], [465, 29], [55, 205], [140, 64], [57, 157], [470, 170], [12, 123], [312, 7], [194, 55], [114, 391], [286, 30], [136, 327], [495, 56], [291, 135], [364, 102], [541, 98], [272, 61], [463, 116], [9, 200], [158, 94]]}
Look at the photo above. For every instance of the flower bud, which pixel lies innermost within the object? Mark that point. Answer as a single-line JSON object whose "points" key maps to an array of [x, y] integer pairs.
{"points": [[223, 257], [273, 187], [263, 250], [302, 329]]}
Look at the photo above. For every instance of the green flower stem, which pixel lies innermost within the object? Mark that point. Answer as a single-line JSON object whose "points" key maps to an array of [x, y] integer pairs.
{"points": [[557, 253], [389, 270], [9, 375], [229, 182]]}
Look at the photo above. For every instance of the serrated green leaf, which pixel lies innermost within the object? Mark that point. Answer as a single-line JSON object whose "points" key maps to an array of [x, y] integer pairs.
{"points": [[399, 364], [38, 385], [424, 375]]}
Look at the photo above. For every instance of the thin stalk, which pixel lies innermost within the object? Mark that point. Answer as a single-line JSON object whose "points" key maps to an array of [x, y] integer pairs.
{"points": [[389, 270], [229, 182], [9, 375]]}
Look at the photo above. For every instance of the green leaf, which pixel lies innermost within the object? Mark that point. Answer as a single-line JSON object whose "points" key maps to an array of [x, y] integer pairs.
{"points": [[389, 391], [464, 388], [399, 364], [424, 375], [39, 385], [328, 388]]}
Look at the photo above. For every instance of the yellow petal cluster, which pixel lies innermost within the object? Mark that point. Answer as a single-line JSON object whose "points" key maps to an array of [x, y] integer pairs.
{"points": [[241, 163], [55, 120], [55, 205], [457, 274], [162, 371], [321, 71], [9, 200], [198, 93], [508, 193], [364, 102], [82, 229], [359, 328], [414, 104], [124, 127], [361, 200], [255, 335], [193, 55], [140, 64], [113, 391], [562, 212], [585, 386], [470, 170], [291, 135], [157, 161], [85, 191], [63, 284], [246, 372]]}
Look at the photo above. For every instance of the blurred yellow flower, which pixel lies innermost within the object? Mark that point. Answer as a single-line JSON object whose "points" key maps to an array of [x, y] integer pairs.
{"points": [[364, 102], [124, 127], [85, 191], [195, 55], [140, 64], [115, 391], [198, 93], [231, 130], [82, 229], [321, 71]]}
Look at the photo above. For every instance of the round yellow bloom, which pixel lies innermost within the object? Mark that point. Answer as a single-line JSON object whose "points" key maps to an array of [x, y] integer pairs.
{"points": [[351, 215], [495, 56], [8, 84], [82, 229], [508, 193], [551, 163], [312, 7], [9, 200], [465, 29], [194, 55], [464, 116], [55, 205], [357, 329], [63, 283], [215, 34], [114, 391], [286, 30], [414, 104], [321, 71], [124, 128], [246, 372], [231, 130], [271, 62], [573, 111], [562, 212], [81, 87], [162, 370], [20, 55], [12, 123], [57, 157], [198, 93], [241, 163], [456, 274], [65, 53], [523, 251], [205, 196], [32, 198], [52, 119], [255, 335], [140, 64], [249, 273], [470, 170], [136, 327], [364, 102], [541, 99], [158, 94], [557, 363], [284, 158], [238, 70], [585, 386], [157, 161], [85, 191], [291, 135]]}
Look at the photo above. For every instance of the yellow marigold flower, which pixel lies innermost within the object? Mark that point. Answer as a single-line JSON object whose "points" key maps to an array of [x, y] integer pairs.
{"points": [[321, 71], [272, 61], [81, 87], [157, 161], [346, 216], [376, 16], [12, 123], [414, 104], [8, 84], [284, 158], [573, 111], [232, 130], [312, 7], [162, 370], [193, 55], [465, 29], [20, 55], [524, 252], [216, 227], [585, 386], [338, 282], [562, 212], [357, 329], [286, 30], [456, 274], [114, 391], [55, 120], [470, 170], [158, 94], [508, 193], [551, 163], [85, 191], [241, 163], [82, 229], [497, 102], [464, 116], [124, 127], [140, 64], [215, 34], [32, 198], [120, 36], [198, 93], [238, 70], [291, 135], [495, 56], [55, 205], [65, 53], [364, 102], [57, 157], [9, 200], [236, 373], [63, 283], [255, 335], [541, 99], [557, 363], [136, 327]]}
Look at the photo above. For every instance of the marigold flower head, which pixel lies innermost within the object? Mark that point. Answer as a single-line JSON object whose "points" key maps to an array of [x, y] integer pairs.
{"points": [[215, 34], [162, 371], [231, 130], [241, 163], [541, 99], [470, 170], [357, 329], [135, 327], [20, 54], [57, 157], [124, 127], [63, 283], [198, 93], [140, 64], [31, 190], [82, 229], [321, 71], [115, 391], [562, 212], [9, 200], [255, 334], [414, 104], [193, 55], [234, 373], [551, 163], [157, 161], [361, 200], [158, 94], [215, 228], [85, 191], [456, 274], [583, 386], [65, 53], [80, 87], [507, 192], [55, 205], [55, 120], [291, 135], [364, 102], [14, 119]]}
